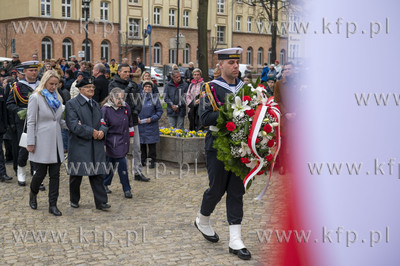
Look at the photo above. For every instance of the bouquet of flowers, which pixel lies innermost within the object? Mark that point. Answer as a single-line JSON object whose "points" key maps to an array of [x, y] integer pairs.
{"points": [[248, 136]]}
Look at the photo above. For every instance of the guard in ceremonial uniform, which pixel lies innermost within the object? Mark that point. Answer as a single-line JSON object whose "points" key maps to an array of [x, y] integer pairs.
{"points": [[221, 181], [17, 101]]}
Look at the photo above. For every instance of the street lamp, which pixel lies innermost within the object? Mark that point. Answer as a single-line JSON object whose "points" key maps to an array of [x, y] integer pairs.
{"points": [[86, 6]]}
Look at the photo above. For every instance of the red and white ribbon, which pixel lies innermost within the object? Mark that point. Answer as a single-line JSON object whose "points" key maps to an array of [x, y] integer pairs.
{"points": [[255, 129]]}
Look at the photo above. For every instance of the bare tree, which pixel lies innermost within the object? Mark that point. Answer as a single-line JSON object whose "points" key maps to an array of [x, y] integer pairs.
{"points": [[202, 37], [6, 35], [271, 10], [126, 44]]}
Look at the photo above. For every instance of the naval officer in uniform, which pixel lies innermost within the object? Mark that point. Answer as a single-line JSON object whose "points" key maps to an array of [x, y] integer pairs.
{"points": [[220, 180]]}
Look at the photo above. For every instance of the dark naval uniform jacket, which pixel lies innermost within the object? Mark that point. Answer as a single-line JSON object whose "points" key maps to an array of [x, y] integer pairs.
{"points": [[207, 116], [18, 98]]}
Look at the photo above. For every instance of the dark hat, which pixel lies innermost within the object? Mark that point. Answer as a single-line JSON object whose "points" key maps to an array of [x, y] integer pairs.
{"points": [[112, 60], [80, 74], [14, 71], [271, 78], [84, 82], [147, 82], [108, 71], [229, 53], [15, 55]]}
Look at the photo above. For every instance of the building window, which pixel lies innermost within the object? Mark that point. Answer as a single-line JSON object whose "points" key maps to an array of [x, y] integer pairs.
{"points": [[157, 16], [45, 8], [157, 54], [260, 25], [84, 10], [221, 6], [186, 54], [105, 50], [47, 48], [104, 11], [134, 25], [89, 49], [249, 56], [186, 18], [249, 21], [269, 55], [171, 55], [238, 23], [172, 17], [282, 57], [66, 8], [260, 56], [133, 1], [67, 48], [221, 34]]}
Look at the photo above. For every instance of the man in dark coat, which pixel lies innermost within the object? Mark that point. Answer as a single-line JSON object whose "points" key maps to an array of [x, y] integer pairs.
{"points": [[86, 154], [14, 63], [100, 83], [189, 73], [222, 181], [174, 94], [133, 99]]}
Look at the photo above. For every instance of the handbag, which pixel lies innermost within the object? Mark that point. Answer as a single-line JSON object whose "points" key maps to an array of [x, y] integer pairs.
{"points": [[23, 141]]}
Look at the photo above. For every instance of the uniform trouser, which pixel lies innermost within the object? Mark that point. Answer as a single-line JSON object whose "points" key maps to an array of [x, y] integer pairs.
{"points": [[2, 160], [122, 172], [8, 149], [96, 182], [221, 181], [151, 154], [40, 174], [137, 160]]}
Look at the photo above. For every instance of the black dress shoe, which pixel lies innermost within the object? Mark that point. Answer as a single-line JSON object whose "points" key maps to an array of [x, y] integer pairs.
{"points": [[5, 178], [54, 210], [128, 194], [213, 238], [74, 205], [108, 191], [243, 253], [42, 187], [21, 183], [103, 206], [141, 177], [32, 200]]}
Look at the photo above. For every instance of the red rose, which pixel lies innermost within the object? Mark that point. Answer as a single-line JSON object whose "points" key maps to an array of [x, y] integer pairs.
{"points": [[246, 98], [250, 112], [267, 128], [269, 157], [261, 172], [230, 126], [245, 160], [260, 85], [270, 143], [257, 140]]}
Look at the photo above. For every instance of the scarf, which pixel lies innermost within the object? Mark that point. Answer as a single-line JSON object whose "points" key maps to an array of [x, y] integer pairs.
{"points": [[110, 103], [195, 82], [51, 99]]}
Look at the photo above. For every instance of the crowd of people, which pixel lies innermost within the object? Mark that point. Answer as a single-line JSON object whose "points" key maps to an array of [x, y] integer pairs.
{"points": [[91, 112], [127, 104]]}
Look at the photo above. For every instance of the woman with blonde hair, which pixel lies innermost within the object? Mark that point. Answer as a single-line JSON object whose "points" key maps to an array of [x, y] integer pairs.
{"points": [[193, 99], [146, 76], [44, 142]]}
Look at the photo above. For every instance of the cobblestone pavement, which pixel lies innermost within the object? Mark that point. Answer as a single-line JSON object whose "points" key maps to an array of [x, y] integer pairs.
{"points": [[154, 227]]}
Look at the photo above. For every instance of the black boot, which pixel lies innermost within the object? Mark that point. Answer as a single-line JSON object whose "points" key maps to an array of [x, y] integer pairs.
{"points": [[54, 210], [32, 200]]}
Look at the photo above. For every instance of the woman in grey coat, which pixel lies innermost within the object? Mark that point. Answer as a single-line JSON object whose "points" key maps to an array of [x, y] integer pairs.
{"points": [[45, 145]]}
